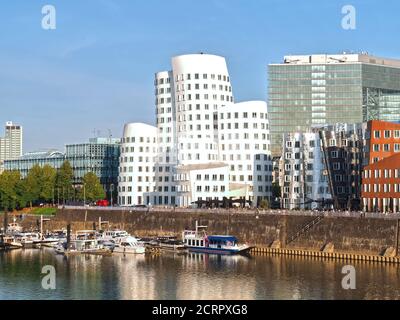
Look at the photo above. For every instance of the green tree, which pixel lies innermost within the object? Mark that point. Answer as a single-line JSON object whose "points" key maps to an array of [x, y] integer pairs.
{"points": [[48, 182], [32, 185], [8, 190], [276, 190], [64, 181], [22, 198], [92, 189]]}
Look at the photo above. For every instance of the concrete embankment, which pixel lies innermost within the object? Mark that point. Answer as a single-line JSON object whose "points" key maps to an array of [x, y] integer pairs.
{"points": [[358, 236]]}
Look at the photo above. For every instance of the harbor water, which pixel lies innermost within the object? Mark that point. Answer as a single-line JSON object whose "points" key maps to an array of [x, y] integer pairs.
{"points": [[189, 277]]}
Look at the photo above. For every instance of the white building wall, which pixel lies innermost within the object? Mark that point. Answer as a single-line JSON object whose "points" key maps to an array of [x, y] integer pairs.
{"points": [[165, 192], [201, 87], [11, 144], [137, 164], [244, 143]]}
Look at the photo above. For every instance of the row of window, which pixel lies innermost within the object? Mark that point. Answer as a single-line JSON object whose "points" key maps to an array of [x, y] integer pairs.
{"points": [[140, 159], [386, 147], [309, 189], [139, 179], [245, 136], [204, 76], [140, 149], [138, 139], [386, 188], [384, 173], [387, 134], [181, 87], [257, 146], [189, 97], [245, 125]]}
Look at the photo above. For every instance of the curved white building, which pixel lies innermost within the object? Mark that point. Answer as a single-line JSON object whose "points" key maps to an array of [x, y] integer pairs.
{"points": [[201, 87], [138, 155], [203, 151]]}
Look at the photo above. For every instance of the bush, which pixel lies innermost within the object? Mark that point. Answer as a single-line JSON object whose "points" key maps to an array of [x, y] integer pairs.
{"points": [[264, 204]]}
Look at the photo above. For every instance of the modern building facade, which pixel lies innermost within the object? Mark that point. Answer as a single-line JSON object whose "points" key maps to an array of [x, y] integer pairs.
{"points": [[322, 168], [343, 146], [137, 164], [381, 185], [99, 155], [304, 180], [244, 144], [309, 90], [12, 142], [382, 141], [207, 147], [381, 174]]}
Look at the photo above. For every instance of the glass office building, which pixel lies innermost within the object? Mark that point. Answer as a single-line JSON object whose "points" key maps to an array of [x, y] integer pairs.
{"points": [[99, 155], [314, 90]]}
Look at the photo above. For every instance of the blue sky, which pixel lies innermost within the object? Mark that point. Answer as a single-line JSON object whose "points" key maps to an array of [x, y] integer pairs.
{"points": [[95, 71]]}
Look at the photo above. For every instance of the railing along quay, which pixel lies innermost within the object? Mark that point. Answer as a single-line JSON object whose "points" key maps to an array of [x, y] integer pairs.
{"points": [[325, 214]]}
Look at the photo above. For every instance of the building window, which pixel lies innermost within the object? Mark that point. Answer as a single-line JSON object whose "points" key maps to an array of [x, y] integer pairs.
{"points": [[386, 147]]}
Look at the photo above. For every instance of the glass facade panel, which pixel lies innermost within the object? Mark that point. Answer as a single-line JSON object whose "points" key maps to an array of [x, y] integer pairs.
{"points": [[301, 96]]}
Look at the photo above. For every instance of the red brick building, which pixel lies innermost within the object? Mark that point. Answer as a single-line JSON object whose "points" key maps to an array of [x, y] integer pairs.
{"points": [[382, 140], [381, 174]]}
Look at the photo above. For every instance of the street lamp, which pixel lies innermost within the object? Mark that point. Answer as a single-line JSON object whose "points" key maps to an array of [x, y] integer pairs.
{"points": [[112, 191], [84, 194]]}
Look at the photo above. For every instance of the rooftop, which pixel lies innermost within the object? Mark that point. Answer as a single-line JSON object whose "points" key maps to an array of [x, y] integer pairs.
{"points": [[42, 154], [339, 58]]}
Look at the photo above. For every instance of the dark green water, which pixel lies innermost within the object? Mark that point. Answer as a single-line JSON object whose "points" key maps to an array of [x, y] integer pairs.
{"points": [[191, 277]]}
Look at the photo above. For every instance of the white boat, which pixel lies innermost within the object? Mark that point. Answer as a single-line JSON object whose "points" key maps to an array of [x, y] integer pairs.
{"points": [[8, 243], [198, 241], [14, 228], [115, 236], [81, 246], [130, 245], [27, 239]]}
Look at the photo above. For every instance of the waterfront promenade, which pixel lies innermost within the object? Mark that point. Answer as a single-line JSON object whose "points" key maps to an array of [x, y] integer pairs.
{"points": [[246, 211]]}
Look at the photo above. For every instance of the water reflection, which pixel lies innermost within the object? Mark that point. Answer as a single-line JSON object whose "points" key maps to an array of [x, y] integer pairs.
{"points": [[191, 276]]}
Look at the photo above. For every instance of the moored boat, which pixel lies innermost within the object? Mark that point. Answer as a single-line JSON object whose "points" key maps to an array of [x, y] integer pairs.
{"points": [[90, 246], [129, 245], [14, 228], [199, 242], [173, 245], [27, 239]]}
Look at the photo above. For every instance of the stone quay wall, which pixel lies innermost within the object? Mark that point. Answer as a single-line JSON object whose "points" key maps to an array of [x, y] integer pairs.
{"points": [[359, 235]]}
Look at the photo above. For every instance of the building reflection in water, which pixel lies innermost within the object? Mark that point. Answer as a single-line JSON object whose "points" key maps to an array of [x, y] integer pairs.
{"points": [[215, 277], [135, 280], [191, 277]]}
